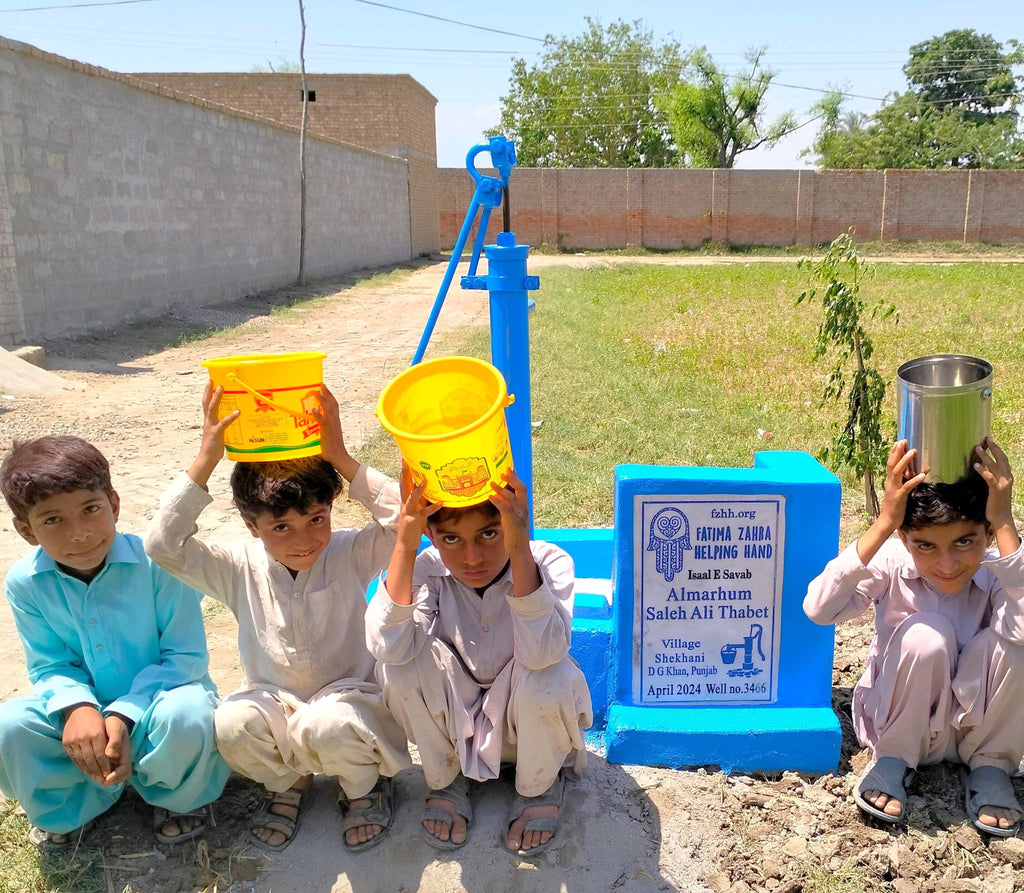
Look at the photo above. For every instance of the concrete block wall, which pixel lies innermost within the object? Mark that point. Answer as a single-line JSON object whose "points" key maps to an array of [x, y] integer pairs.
{"points": [[393, 114], [120, 199], [669, 209]]}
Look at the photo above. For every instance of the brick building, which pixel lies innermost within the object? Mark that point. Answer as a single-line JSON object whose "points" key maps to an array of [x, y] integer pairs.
{"points": [[393, 114]]}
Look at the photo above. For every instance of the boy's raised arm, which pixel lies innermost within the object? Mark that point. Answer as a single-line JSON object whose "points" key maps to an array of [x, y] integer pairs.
{"points": [[332, 440], [411, 524], [994, 467], [211, 449], [894, 500]]}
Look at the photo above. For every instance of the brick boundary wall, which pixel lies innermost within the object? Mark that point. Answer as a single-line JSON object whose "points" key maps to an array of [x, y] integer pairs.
{"points": [[121, 199], [670, 209]]}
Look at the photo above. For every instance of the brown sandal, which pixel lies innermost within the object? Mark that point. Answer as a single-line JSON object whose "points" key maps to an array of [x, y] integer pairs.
{"points": [[266, 819], [377, 811]]}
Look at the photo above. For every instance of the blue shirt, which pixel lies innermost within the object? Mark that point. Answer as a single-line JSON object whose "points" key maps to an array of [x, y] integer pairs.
{"points": [[131, 632]]}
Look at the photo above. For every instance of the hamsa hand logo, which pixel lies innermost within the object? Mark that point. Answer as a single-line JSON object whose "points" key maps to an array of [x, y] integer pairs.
{"points": [[669, 539]]}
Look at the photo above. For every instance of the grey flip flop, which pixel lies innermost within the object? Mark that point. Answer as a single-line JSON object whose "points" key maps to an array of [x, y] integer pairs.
{"points": [[890, 775], [990, 786], [457, 793], [551, 797]]}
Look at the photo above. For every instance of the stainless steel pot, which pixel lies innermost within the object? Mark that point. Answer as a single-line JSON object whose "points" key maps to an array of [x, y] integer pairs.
{"points": [[944, 411]]}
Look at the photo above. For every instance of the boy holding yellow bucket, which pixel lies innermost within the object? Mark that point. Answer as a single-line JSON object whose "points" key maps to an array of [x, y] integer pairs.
{"points": [[472, 639], [310, 703]]}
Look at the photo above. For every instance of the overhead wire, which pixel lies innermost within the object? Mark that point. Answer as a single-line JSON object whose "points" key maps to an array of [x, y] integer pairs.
{"points": [[76, 6]]}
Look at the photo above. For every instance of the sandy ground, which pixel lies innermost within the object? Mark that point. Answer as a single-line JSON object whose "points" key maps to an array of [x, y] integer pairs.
{"points": [[624, 828]]}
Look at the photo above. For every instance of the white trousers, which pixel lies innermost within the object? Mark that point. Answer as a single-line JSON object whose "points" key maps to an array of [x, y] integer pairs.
{"points": [[532, 718], [930, 702], [272, 737]]}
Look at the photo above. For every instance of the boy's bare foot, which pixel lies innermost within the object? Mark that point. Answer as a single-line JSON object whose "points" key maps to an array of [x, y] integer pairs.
{"points": [[276, 821]]}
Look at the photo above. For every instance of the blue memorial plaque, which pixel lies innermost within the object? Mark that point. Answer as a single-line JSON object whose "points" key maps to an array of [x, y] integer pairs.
{"points": [[708, 599]]}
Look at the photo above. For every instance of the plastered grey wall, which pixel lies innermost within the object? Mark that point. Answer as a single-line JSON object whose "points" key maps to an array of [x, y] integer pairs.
{"points": [[119, 199]]}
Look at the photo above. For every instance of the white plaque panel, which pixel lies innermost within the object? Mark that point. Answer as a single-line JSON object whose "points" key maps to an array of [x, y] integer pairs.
{"points": [[707, 598]]}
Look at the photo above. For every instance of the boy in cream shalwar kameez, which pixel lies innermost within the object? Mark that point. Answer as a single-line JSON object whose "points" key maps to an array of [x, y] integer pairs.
{"points": [[472, 639], [310, 703]]}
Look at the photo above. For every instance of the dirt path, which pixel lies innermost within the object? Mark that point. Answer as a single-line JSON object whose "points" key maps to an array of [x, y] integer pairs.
{"points": [[626, 828]]}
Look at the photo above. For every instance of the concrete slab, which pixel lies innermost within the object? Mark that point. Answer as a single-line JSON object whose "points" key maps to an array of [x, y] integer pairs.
{"points": [[22, 379]]}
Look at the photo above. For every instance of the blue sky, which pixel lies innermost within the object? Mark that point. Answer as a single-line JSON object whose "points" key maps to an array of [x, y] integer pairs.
{"points": [[859, 47]]}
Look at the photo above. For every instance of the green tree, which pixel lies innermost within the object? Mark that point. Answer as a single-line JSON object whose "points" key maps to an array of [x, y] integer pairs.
{"points": [[965, 70], [857, 442], [589, 101], [961, 112], [909, 133], [714, 116]]}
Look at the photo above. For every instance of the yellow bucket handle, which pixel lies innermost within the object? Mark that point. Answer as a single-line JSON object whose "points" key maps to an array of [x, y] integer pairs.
{"points": [[263, 398]]}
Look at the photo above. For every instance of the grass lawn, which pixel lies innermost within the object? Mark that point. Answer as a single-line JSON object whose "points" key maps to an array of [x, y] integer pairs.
{"points": [[707, 365]]}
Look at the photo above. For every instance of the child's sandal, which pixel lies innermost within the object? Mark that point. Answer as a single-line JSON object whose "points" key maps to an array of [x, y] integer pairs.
{"points": [[265, 819], [990, 786], [55, 840], [457, 793], [890, 776], [163, 817], [551, 797], [377, 810]]}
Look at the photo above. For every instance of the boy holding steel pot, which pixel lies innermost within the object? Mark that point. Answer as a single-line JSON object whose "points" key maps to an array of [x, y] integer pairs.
{"points": [[945, 670]]}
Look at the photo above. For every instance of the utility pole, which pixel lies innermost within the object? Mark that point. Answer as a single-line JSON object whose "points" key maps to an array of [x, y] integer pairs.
{"points": [[302, 150]]}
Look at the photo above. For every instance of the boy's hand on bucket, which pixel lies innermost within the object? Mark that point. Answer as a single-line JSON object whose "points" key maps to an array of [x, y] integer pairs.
{"points": [[411, 524], [332, 440], [993, 465], [405, 482], [513, 503], [413, 520], [211, 449]]}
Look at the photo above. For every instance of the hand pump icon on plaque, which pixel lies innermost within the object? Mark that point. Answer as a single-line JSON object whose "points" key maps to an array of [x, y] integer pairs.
{"points": [[730, 651]]}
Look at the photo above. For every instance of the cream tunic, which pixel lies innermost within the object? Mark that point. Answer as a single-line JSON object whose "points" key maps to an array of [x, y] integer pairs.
{"points": [[310, 702], [494, 650], [299, 635]]}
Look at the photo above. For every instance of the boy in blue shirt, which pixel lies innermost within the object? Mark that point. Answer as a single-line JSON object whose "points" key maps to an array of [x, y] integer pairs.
{"points": [[116, 654]]}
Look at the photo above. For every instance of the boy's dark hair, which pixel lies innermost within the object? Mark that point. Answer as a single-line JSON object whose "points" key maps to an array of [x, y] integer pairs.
{"points": [[273, 488], [449, 514], [35, 470], [932, 505]]}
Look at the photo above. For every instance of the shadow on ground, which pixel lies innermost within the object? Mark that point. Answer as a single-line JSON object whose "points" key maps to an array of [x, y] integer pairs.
{"points": [[609, 838]]}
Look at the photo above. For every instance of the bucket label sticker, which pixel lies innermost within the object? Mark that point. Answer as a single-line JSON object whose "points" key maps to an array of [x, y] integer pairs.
{"points": [[707, 603], [464, 478]]}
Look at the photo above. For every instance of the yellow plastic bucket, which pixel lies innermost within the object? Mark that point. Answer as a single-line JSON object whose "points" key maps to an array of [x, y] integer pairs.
{"points": [[274, 392], [448, 418]]}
